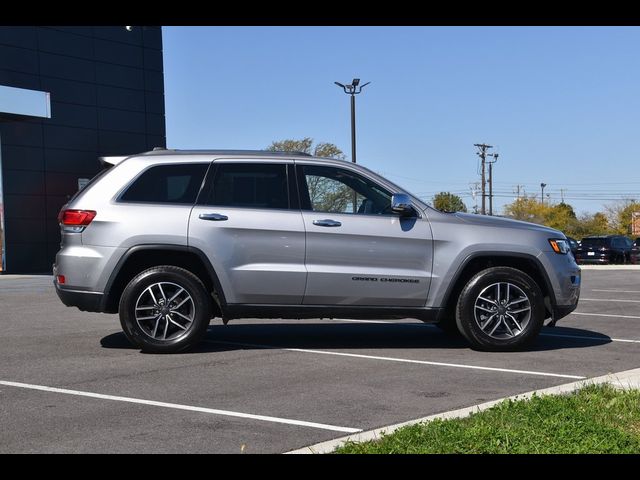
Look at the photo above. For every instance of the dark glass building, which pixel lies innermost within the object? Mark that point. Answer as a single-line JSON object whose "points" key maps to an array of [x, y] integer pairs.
{"points": [[68, 95]]}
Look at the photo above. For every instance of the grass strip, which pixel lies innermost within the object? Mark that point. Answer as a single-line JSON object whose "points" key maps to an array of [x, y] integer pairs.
{"points": [[594, 419]]}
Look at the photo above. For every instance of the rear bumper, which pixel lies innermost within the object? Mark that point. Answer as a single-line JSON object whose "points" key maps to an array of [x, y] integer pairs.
{"points": [[85, 300], [593, 259]]}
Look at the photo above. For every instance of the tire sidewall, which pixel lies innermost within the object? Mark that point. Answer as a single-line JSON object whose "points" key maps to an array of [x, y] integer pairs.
{"points": [[465, 317], [184, 279]]}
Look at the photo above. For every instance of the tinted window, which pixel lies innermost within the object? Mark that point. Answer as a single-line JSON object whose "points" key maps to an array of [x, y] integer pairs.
{"points": [[250, 185], [594, 242], [335, 190], [167, 184]]}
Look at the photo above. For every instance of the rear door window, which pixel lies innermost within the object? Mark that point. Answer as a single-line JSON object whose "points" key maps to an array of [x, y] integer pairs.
{"points": [[250, 185]]}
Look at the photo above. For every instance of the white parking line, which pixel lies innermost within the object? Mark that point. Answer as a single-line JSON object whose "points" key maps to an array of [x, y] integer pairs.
{"points": [[615, 291], [608, 300], [177, 406], [604, 315], [401, 360]]}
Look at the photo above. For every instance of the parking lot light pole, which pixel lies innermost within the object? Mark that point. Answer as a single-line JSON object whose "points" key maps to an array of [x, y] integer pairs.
{"points": [[354, 89], [542, 185]]}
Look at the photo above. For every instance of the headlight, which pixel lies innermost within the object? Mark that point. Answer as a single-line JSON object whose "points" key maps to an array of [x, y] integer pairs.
{"points": [[560, 246]]}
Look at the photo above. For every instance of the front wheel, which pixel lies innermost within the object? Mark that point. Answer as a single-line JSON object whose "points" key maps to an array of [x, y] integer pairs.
{"points": [[500, 309], [165, 309]]}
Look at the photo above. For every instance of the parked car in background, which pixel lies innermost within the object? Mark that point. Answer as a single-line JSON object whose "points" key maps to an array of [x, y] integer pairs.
{"points": [[604, 249], [634, 256], [573, 245]]}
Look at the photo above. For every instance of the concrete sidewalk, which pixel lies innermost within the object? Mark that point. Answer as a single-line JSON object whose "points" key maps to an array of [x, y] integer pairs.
{"points": [[609, 267], [629, 379]]}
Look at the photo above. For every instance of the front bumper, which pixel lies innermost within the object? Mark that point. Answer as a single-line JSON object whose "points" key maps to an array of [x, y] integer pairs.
{"points": [[566, 279], [560, 311]]}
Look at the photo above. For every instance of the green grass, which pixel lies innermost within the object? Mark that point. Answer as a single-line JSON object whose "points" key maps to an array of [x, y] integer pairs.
{"points": [[595, 419]]}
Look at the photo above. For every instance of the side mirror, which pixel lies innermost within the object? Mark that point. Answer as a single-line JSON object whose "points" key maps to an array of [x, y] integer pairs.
{"points": [[401, 203]]}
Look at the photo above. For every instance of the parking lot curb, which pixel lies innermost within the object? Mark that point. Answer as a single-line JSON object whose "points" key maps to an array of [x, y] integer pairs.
{"points": [[609, 267], [628, 379]]}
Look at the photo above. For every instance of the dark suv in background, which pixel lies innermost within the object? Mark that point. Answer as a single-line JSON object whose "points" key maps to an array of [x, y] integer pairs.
{"points": [[604, 249], [635, 252]]}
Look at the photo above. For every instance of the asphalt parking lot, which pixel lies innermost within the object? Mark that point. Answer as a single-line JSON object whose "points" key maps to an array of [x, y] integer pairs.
{"points": [[70, 382]]}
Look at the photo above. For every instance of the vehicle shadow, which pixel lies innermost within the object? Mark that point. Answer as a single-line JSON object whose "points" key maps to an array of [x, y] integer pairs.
{"points": [[358, 336]]}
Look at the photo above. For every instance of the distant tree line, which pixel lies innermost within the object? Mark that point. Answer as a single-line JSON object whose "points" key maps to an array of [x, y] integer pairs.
{"points": [[615, 219]]}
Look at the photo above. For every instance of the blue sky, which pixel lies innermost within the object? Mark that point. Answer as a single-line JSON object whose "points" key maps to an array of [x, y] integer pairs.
{"points": [[560, 104]]}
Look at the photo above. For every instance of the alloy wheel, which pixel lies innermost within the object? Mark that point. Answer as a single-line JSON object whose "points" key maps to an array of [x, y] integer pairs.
{"points": [[502, 310], [165, 311]]}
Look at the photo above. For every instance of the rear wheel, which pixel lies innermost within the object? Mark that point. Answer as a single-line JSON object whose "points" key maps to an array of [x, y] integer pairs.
{"points": [[500, 309], [165, 309]]}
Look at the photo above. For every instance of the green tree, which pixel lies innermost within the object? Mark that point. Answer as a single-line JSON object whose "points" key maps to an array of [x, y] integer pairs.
{"points": [[560, 216], [619, 215], [326, 195], [448, 202], [527, 209], [305, 145], [596, 224]]}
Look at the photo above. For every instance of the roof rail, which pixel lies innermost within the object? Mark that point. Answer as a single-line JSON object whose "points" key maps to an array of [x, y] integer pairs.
{"points": [[161, 151], [289, 152]]}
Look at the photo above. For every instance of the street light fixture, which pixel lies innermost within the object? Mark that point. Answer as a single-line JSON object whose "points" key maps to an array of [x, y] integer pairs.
{"points": [[353, 89], [542, 185]]}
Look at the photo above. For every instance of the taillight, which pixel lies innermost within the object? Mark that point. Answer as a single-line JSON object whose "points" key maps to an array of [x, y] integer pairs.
{"points": [[75, 221]]}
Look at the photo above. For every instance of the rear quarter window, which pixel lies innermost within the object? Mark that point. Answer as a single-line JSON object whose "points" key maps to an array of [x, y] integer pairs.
{"points": [[177, 184]]}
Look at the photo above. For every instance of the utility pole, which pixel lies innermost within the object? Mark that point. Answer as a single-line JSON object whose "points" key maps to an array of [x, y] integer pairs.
{"points": [[517, 192], [495, 159], [562, 194], [482, 153], [542, 185]]}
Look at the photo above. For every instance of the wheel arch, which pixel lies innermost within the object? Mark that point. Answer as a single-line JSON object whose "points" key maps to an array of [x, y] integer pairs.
{"points": [[476, 262], [139, 258]]}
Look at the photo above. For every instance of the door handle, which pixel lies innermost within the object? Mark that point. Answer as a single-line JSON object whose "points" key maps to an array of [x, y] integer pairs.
{"points": [[327, 223], [214, 217]]}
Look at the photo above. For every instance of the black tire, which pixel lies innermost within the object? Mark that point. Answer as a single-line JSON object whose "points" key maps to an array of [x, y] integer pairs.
{"points": [[466, 309], [198, 310]]}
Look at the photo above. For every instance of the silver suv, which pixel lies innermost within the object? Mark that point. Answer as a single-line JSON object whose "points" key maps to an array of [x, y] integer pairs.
{"points": [[171, 239]]}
